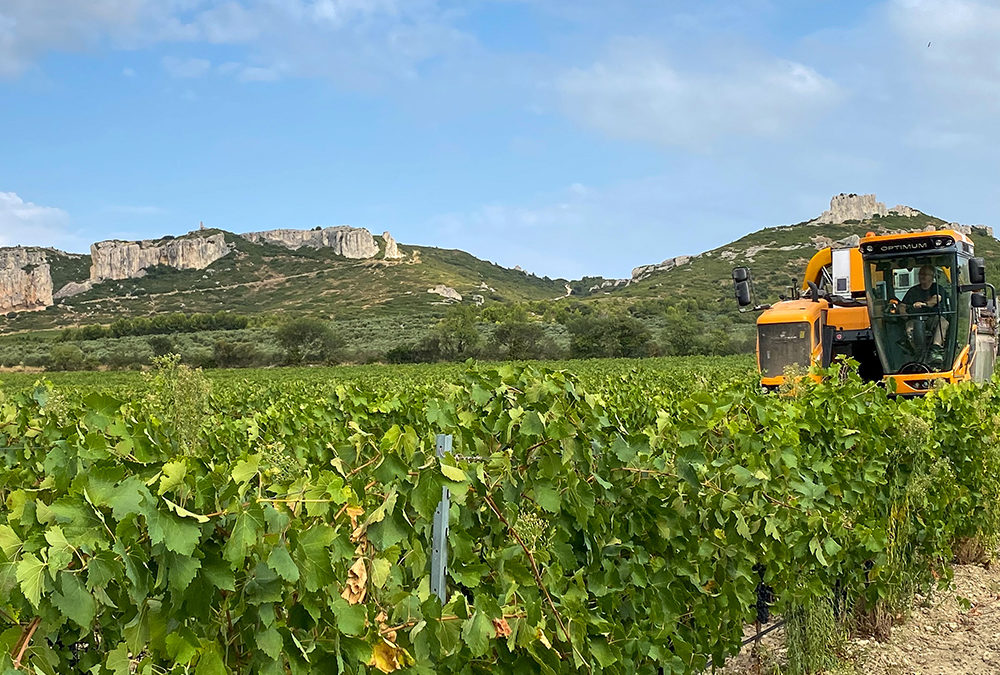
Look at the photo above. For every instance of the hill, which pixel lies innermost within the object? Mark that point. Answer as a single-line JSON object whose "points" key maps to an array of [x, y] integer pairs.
{"points": [[267, 278], [777, 256], [380, 295]]}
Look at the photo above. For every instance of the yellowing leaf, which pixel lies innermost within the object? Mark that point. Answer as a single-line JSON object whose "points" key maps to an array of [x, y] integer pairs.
{"points": [[387, 657]]}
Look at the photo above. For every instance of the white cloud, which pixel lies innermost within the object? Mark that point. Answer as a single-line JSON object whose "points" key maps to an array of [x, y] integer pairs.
{"points": [[26, 223], [359, 42], [29, 28], [637, 93], [186, 68]]}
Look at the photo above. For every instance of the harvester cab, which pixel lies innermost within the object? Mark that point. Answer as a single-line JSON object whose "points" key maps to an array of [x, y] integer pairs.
{"points": [[933, 316], [828, 318]]}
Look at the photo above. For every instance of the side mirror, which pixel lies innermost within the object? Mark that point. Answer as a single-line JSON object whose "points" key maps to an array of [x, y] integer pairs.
{"points": [[743, 293], [979, 300], [977, 271], [741, 274]]}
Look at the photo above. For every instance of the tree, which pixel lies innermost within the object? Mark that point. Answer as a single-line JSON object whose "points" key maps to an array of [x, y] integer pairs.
{"points": [[230, 354], [455, 338], [161, 345], [518, 340], [309, 341], [609, 336], [681, 333], [66, 357]]}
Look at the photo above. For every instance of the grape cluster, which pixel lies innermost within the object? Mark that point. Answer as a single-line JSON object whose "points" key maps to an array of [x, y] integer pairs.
{"points": [[765, 597], [532, 529], [281, 464]]}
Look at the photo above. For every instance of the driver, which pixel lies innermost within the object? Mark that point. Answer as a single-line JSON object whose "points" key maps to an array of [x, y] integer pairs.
{"points": [[924, 298]]}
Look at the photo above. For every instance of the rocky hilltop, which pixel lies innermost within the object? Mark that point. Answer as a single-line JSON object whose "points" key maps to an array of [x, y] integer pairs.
{"points": [[131, 259], [846, 207], [25, 280], [351, 242]]}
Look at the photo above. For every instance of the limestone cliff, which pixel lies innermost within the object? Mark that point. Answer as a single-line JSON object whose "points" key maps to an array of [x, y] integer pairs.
{"points": [[392, 251], [130, 259], [25, 280], [350, 242], [844, 207]]}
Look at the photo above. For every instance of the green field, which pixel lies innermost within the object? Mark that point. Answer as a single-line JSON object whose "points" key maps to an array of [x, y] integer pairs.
{"points": [[613, 516]]}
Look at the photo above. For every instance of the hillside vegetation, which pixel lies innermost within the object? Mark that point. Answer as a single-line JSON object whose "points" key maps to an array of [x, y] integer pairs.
{"points": [[381, 309]]}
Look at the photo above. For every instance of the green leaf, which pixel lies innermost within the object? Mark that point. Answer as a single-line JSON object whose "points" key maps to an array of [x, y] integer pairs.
{"points": [[547, 497], [741, 475], [454, 473], [173, 475], [181, 571], [127, 498], [281, 562], [177, 535], [181, 648], [831, 546], [219, 574], [380, 571], [476, 633], [210, 663], [60, 553], [313, 554], [817, 550], [10, 543], [741, 526], [183, 512], [532, 425], [31, 577], [246, 469], [102, 403], [74, 601], [350, 618], [246, 529], [270, 642]]}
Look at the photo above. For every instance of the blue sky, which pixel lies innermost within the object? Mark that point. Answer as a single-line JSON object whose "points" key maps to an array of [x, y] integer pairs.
{"points": [[571, 137]]}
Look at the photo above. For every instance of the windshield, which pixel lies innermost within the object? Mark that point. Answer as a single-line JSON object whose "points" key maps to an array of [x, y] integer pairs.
{"points": [[914, 313], [781, 345]]}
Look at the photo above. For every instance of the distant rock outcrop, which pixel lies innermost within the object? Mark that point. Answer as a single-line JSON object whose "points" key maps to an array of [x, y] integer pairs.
{"points": [[25, 280], [844, 207], [392, 251], [446, 292], [903, 210], [643, 271], [73, 288], [131, 259], [983, 230], [351, 242], [614, 283]]}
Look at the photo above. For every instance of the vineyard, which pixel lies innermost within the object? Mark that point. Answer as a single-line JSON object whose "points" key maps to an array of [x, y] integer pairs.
{"points": [[606, 516]]}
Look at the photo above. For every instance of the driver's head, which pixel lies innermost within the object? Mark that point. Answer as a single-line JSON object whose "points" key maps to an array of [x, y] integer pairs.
{"points": [[925, 276]]}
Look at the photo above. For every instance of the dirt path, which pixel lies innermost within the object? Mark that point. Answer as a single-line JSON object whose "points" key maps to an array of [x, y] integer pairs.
{"points": [[944, 635]]}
